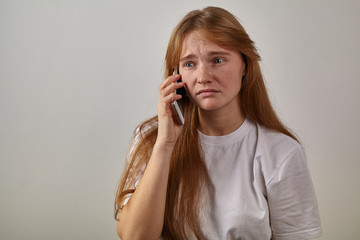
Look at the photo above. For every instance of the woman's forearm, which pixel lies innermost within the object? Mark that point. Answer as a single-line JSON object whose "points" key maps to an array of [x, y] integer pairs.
{"points": [[143, 216]]}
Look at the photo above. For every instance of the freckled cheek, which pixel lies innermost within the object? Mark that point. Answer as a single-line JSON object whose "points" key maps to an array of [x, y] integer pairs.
{"points": [[189, 83], [190, 90], [232, 79]]}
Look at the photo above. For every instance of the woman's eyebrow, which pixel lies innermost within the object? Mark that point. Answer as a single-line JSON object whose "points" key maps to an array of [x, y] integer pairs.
{"points": [[221, 53], [214, 53], [187, 57]]}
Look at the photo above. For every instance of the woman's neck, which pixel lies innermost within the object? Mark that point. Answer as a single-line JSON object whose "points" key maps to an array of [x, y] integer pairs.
{"points": [[219, 123]]}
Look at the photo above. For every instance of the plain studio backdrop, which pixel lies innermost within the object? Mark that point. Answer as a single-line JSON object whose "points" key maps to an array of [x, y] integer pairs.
{"points": [[76, 78]]}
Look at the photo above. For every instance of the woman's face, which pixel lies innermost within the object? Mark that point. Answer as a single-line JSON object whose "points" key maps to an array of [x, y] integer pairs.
{"points": [[211, 73]]}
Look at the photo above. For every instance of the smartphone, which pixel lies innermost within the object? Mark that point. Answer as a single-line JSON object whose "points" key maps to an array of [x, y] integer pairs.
{"points": [[178, 106]]}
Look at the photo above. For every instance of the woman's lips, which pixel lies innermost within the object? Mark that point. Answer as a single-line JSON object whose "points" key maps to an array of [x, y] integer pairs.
{"points": [[207, 92]]}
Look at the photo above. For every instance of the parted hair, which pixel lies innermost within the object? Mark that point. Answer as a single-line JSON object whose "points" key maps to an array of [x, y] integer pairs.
{"points": [[188, 177]]}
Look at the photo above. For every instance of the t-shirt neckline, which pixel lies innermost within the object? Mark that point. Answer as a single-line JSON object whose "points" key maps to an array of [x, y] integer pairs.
{"points": [[227, 139]]}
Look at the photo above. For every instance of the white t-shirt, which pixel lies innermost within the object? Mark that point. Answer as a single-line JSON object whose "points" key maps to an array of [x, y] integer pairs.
{"points": [[263, 189]]}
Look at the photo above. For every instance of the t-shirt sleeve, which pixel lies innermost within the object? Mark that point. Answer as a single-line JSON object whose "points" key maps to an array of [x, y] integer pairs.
{"points": [[136, 177], [128, 196], [294, 213]]}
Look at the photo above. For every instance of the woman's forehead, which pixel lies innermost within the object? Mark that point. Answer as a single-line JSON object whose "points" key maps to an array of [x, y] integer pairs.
{"points": [[199, 42]]}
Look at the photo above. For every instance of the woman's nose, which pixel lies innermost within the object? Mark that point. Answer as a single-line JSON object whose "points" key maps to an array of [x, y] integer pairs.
{"points": [[203, 74]]}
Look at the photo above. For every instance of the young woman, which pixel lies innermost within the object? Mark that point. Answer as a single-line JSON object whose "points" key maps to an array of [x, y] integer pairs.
{"points": [[232, 171]]}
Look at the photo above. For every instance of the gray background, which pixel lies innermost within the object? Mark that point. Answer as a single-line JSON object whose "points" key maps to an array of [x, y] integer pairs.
{"points": [[76, 77]]}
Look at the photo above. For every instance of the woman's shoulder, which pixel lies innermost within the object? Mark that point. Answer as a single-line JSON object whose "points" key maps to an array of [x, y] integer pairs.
{"points": [[277, 141], [275, 149]]}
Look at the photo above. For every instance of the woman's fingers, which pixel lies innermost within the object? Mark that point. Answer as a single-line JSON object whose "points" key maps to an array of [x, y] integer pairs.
{"points": [[168, 87], [168, 131], [169, 80], [171, 97]]}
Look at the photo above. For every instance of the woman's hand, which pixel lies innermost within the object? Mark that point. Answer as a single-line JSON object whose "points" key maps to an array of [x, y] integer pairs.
{"points": [[168, 130], [143, 216]]}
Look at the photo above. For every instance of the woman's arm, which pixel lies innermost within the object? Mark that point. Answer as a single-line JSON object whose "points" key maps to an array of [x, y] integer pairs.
{"points": [[292, 201], [143, 216]]}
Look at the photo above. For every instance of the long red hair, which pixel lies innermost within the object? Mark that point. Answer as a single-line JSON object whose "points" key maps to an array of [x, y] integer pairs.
{"points": [[188, 177]]}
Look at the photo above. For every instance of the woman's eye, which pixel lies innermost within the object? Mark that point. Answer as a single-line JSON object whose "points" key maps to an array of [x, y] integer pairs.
{"points": [[218, 60], [189, 64]]}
